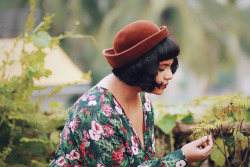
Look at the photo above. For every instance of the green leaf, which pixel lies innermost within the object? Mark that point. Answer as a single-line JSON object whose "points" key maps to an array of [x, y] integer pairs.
{"points": [[41, 39], [167, 123], [248, 115], [47, 73], [241, 136], [218, 157], [188, 119]]}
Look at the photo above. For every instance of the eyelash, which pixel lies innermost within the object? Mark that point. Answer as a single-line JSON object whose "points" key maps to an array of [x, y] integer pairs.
{"points": [[161, 69]]}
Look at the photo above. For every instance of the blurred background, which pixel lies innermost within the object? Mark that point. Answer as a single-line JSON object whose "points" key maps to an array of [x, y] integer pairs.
{"points": [[213, 36], [215, 55]]}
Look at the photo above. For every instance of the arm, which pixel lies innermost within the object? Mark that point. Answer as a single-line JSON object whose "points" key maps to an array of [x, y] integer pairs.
{"points": [[193, 152], [173, 159]]}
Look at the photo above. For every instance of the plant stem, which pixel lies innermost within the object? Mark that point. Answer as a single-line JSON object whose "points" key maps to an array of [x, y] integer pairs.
{"points": [[216, 116], [219, 148], [222, 138], [171, 141], [236, 140]]}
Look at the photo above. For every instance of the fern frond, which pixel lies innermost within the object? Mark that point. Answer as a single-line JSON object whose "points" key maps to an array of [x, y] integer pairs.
{"points": [[241, 102], [218, 123], [27, 120], [36, 140]]}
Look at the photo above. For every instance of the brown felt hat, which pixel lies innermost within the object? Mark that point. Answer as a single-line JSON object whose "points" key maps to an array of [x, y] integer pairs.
{"points": [[133, 41]]}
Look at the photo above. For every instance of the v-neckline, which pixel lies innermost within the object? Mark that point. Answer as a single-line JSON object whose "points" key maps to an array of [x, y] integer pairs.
{"points": [[130, 124]]}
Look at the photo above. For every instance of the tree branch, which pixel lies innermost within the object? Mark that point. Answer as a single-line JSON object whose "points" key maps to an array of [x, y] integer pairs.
{"points": [[185, 128]]}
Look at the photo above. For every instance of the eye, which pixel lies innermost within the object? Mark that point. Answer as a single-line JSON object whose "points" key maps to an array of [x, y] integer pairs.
{"points": [[161, 69]]}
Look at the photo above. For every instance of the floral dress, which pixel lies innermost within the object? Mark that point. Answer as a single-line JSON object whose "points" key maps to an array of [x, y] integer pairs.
{"points": [[98, 133]]}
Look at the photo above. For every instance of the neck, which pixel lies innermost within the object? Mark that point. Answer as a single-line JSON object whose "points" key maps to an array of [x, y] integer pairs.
{"points": [[122, 91]]}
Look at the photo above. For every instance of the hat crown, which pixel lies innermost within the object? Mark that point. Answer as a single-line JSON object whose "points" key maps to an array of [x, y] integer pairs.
{"points": [[133, 34]]}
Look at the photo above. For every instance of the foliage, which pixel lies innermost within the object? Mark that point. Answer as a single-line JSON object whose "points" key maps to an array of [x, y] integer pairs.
{"points": [[28, 135], [230, 112], [221, 116], [166, 118]]}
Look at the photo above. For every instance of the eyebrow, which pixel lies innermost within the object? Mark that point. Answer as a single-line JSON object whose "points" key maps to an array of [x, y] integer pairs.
{"points": [[165, 64]]}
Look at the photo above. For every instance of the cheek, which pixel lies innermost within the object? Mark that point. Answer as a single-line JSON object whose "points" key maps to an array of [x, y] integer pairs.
{"points": [[158, 79]]}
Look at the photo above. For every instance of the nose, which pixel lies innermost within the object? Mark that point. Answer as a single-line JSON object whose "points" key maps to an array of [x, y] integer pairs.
{"points": [[168, 75]]}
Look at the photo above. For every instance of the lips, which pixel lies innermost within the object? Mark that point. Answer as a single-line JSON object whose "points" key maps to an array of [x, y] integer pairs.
{"points": [[164, 86]]}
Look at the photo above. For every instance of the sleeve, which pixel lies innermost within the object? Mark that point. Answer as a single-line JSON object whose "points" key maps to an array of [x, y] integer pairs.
{"points": [[173, 159], [92, 138]]}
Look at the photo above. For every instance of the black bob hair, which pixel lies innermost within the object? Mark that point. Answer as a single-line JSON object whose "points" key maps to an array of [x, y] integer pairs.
{"points": [[143, 71]]}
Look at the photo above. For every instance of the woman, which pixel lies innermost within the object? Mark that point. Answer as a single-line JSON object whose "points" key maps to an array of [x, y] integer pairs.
{"points": [[112, 124]]}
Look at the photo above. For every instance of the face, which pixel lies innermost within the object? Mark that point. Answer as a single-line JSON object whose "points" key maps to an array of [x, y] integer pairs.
{"points": [[164, 76]]}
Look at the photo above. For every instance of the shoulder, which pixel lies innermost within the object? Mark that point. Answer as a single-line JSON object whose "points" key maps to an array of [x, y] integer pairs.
{"points": [[94, 109], [94, 97], [96, 104]]}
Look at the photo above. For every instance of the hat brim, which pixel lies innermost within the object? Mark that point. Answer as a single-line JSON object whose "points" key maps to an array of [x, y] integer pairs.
{"points": [[122, 58]]}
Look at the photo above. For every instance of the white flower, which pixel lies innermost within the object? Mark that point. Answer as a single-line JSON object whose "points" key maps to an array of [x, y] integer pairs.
{"points": [[135, 150], [60, 161], [92, 103], [74, 124], [153, 138], [118, 109], [153, 147], [116, 102], [94, 135], [73, 155], [147, 106], [96, 127], [180, 163], [147, 98], [153, 143], [92, 97], [134, 141], [117, 106], [83, 97]]}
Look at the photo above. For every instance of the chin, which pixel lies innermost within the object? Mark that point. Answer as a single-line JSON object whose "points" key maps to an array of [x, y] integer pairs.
{"points": [[157, 92], [160, 93]]}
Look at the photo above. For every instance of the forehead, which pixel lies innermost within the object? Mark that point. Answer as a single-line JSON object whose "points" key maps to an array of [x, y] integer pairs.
{"points": [[170, 61]]}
